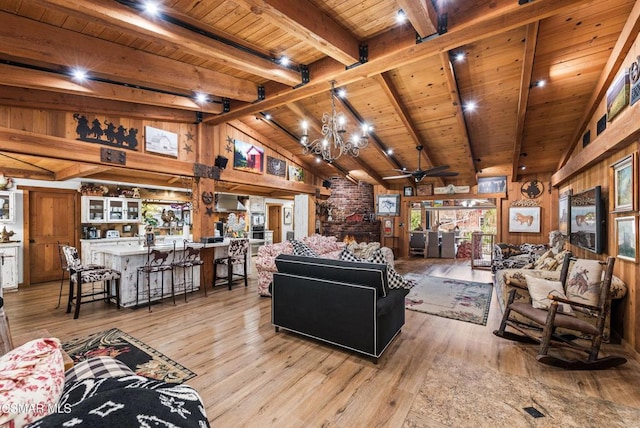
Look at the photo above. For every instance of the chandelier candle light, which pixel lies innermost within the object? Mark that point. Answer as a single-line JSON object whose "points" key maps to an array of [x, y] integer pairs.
{"points": [[332, 145]]}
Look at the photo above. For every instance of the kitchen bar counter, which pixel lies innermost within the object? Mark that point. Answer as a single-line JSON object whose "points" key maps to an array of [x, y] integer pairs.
{"points": [[128, 258]]}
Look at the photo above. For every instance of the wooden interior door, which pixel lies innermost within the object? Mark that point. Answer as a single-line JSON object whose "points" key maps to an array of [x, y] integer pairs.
{"points": [[275, 222], [52, 218]]}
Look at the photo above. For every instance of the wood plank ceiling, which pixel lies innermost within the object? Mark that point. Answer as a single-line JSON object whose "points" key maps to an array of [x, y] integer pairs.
{"points": [[410, 86]]}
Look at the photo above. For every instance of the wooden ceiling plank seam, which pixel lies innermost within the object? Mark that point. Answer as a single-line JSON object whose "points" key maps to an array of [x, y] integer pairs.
{"points": [[115, 15], [452, 85], [41, 42], [385, 55], [308, 23], [627, 38], [525, 87], [422, 15], [394, 98]]}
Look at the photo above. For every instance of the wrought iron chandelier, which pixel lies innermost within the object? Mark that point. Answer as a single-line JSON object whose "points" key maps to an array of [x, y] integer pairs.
{"points": [[333, 144]]}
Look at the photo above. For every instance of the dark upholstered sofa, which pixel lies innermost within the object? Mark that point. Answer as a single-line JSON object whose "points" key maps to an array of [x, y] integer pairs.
{"points": [[348, 304]]}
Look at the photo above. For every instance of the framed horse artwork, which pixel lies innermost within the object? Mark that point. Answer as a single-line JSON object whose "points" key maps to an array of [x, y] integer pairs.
{"points": [[524, 219]]}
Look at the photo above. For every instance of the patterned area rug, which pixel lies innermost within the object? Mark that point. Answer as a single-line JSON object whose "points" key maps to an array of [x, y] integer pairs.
{"points": [[458, 394], [450, 298], [139, 357]]}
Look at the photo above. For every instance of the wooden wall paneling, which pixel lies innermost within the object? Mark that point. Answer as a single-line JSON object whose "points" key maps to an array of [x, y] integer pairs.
{"points": [[625, 314]]}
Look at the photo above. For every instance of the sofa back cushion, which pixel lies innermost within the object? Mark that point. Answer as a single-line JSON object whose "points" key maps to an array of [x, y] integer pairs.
{"points": [[361, 273]]}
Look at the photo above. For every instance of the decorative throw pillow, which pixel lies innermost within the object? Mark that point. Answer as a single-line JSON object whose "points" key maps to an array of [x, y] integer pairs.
{"points": [[539, 289], [31, 381], [348, 256], [549, 263], [583, 282], [302, 249], [394, 279], [515, 278], [97, 367], [543, 256]]}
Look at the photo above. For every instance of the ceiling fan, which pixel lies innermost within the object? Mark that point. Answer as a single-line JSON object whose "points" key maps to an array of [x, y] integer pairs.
{"points": [[419, 174]]}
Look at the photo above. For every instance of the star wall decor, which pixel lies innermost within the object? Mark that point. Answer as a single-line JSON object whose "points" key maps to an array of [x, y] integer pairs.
{"points": [[229, 147], [187, 148], [209, 211], [189, 136]]}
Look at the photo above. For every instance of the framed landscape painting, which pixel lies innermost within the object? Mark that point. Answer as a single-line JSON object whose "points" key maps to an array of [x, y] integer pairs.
{"points": [[247, 157], [624, 184], [626, 239], [564, 214], [524, 219]]}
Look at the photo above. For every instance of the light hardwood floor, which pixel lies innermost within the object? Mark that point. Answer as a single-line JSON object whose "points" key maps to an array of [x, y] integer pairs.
{"points": [[250, 376]]}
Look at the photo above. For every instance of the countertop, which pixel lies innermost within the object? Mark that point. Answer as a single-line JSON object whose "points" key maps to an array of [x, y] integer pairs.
{"points": [[129, 250]]}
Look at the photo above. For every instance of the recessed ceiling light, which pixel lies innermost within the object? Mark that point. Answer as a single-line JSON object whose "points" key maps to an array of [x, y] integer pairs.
{"points": [[267, 116], [151, 7], [522, 167], [460, 56], [201, 98], [79, 74], [401, 17], [342, 92], [389, 151], [470, 106], [284, 61]]}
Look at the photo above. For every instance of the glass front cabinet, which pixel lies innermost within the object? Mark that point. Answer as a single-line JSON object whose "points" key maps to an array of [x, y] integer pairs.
{"points": [[7, 207], [97, 209]]}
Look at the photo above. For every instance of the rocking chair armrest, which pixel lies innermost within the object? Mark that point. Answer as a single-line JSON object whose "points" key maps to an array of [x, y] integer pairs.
{"points": [[574, 303]]}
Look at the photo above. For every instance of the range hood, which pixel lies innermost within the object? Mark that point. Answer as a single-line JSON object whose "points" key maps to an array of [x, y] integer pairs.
{"points": [[226, 202]]}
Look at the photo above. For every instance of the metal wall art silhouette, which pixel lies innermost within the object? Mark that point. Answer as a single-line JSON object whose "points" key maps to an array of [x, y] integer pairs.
{"points": [[109, 135]]}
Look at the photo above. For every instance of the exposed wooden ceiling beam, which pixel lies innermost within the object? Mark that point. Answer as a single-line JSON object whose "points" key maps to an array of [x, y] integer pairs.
{"points": [[397, 48], [27, 173], [395, 100], [57, 101], [80, 170], [627, 39], [25, 38], [523, 101], [114, 15], [34, 79], [304, 20], [422, 15], [452, 85]]}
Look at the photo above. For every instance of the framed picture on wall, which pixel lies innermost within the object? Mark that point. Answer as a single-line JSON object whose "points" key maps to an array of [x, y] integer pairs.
{"points": [[564, 213], [524, 219], [288, 215], [626, 239], [388, 205], [425, 189], [408, 191], [624, 184], [387, 227]]}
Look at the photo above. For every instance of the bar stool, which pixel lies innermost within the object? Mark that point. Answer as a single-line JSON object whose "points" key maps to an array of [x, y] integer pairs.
{"points": [[64, 267], [156, 263], [80, 274], [236, 255], [190, 258]]}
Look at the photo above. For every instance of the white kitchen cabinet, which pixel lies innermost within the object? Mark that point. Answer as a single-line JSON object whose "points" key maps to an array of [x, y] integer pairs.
{"points": [[7, 207], [9, 265], [97, 209]]}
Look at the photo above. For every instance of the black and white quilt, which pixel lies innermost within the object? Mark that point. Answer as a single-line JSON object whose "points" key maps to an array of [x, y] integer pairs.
{"points": [[130, 401]]}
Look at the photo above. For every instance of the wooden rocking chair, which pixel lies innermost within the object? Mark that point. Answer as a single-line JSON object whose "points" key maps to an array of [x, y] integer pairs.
{"points": [[544, 322]]}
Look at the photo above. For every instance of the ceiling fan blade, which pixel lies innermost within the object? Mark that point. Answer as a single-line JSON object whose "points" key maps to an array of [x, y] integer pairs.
{"points": [[437, 168], [393, 177], [442, 174]]}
